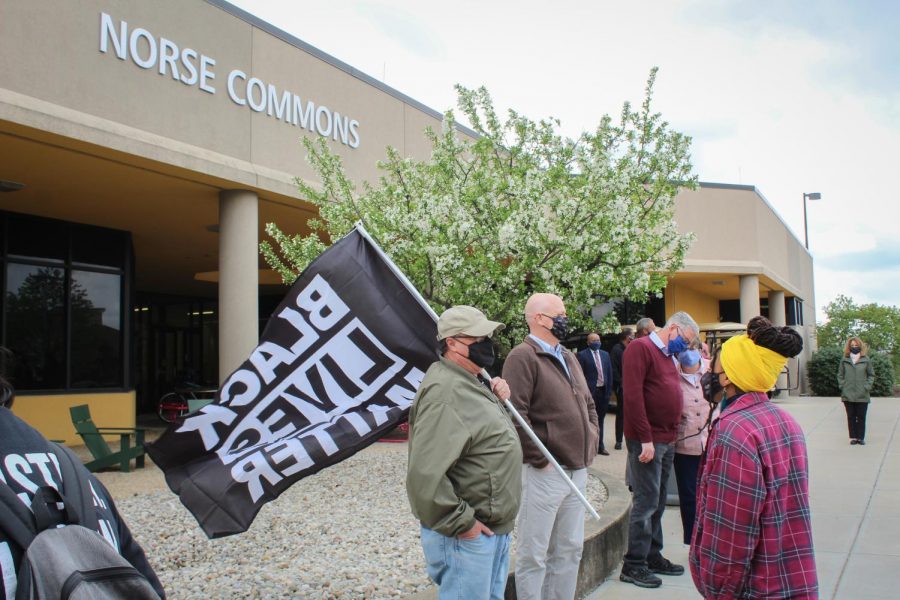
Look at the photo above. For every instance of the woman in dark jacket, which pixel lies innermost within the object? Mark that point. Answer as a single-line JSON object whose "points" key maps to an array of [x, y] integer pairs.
{"points": [[855, 378]]}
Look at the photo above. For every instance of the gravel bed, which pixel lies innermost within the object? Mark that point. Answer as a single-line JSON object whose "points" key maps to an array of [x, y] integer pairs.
{"points": [[344, 533]]}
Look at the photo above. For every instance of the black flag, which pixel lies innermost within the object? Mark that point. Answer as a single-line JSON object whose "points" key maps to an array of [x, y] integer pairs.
{"points": [[335, 369]]}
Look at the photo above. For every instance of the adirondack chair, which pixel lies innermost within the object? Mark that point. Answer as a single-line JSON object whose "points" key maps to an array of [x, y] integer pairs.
{"points": [[103, 456]]}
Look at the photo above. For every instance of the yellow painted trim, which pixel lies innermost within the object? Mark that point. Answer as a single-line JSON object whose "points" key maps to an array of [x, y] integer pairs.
{"points": [[50, 414]]}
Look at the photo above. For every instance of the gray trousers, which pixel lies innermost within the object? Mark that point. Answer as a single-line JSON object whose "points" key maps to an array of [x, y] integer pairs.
{"points": [[648, 483], [550, 535]]}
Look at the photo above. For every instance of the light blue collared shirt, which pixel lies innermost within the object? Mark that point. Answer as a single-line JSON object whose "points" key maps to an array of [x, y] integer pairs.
{"points": [[555, 351], [655, 339]]}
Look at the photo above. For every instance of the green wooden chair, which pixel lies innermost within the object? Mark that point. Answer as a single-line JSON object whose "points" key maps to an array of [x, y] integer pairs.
{"points": [[104, 457]]}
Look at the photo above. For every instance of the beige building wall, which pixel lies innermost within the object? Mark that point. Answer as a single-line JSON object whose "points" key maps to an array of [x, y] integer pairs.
{"points": [[738, 233], [55, 78]]}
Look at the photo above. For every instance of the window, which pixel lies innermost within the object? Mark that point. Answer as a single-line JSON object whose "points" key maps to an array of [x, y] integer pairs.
{"points": [[35, 325], [63, 304], [95, 301], [793, 308]]}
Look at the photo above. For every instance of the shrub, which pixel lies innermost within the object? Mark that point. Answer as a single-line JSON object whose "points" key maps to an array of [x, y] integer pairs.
{"points": [[884, 374], [822, 371]]}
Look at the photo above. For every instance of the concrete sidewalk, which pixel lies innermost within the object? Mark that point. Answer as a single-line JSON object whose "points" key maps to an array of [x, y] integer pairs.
{"points": [[854, 497]]}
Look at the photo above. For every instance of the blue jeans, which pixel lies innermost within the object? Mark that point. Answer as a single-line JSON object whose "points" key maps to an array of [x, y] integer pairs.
{"points": [[648, 483], [467, 569]]}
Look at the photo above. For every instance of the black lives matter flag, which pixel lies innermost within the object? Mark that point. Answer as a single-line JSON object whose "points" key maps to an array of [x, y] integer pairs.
{"points": [[336, 368]]}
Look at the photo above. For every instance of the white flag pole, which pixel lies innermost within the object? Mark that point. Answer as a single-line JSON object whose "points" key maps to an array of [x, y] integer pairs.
{"points": [[509, 407], [534, 438]]}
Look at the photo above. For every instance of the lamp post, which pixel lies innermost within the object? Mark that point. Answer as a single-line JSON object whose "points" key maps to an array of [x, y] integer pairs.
{"points": [[811, 196]]}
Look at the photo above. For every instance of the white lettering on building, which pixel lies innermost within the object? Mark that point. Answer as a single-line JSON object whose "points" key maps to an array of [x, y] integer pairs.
{"points": [[195, 69]]}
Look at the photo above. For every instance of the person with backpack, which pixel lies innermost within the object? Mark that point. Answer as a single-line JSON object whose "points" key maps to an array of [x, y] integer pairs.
{"points": [[61, 535]]}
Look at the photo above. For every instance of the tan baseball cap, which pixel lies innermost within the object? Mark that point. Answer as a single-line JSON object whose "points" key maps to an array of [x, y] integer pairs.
{"points": [[465, 320]]}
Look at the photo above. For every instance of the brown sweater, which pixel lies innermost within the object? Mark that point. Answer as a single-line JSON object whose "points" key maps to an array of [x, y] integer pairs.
{"points": [[652, 392], [560, 411]]}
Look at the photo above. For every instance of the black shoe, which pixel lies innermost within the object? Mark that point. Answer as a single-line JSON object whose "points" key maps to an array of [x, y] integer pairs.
{"points": [[861, 442], [603, 452], [664, 566], [618, 445], [854, 442], [639, 576]]}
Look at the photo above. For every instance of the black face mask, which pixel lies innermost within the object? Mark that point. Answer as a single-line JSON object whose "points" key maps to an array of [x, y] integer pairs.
{"points": [[560, 329], [712, 389], [482, 353], [854, 350]]}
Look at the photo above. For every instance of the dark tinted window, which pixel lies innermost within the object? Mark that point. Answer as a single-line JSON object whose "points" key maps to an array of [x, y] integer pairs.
{"points": [[793, 310], [33, 238], [96, 329], [35, 325], [730, 311], [98, 247]]}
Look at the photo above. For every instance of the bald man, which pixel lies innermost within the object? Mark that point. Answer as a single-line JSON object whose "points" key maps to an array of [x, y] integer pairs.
{"points": [[550, 392]]}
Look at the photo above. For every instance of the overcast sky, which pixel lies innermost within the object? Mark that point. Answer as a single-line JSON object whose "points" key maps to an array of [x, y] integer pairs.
{"points": [[788, 96]]}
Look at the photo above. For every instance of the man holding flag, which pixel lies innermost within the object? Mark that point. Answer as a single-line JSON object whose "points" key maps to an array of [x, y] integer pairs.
{"points": [[465, 460]]}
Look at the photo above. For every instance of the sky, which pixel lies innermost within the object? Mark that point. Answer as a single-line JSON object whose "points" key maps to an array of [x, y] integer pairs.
{"points": [[790, 96]]}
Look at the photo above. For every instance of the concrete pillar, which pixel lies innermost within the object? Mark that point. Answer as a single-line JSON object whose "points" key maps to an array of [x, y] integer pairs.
{"points": [[776, 308], [778, 317], [238, 278], [749, 297]]}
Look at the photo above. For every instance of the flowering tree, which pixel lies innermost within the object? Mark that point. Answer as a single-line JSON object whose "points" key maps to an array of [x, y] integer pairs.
{"points": [[519, 209]]}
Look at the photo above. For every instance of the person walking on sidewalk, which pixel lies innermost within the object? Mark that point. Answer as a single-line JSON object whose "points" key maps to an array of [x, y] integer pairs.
{"points": [[597, 369], [653, 411], [752, 534], [464, 472], [856, 375], [551, 394]]}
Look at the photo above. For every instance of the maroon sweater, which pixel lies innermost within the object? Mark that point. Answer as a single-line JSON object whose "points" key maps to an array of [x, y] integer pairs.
{"points": [[652, 408]]}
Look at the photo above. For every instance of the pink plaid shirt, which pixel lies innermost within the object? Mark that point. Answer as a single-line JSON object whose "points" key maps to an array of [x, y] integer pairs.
{"points": [[753, 536]]}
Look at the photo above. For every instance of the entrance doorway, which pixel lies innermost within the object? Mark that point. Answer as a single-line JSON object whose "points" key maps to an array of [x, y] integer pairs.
{"points": [[176, 343]]}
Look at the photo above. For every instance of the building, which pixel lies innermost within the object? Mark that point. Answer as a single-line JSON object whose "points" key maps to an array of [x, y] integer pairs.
{"points": [[144, 146], [744, 262]]}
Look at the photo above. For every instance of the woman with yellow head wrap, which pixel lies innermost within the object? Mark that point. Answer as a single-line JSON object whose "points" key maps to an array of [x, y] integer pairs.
{"points": [[753, 515]]}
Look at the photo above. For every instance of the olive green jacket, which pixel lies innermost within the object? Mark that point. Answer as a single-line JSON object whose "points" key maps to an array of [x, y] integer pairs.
{"points": [[856, 380], [465, 460]]}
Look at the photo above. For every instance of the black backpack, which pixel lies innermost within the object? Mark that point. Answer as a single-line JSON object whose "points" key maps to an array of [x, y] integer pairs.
{"points": [[64, 556]]}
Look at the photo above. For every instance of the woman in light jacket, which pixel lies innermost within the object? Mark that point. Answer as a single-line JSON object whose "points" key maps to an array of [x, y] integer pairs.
{"points": [[855, 378], [692, 433]]}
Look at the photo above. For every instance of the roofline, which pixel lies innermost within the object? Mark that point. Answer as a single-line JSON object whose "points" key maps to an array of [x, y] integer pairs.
{"points": [[339, 64], [755, 190], [727, 186]]}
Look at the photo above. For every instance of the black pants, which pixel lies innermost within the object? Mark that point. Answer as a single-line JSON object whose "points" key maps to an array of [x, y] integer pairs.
{"points": [[620, 419], [686, 466], [856, 419], [601, 403]]}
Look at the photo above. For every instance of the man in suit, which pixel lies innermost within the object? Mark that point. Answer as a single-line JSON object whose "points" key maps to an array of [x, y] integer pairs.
{"points": [[597, 370]]}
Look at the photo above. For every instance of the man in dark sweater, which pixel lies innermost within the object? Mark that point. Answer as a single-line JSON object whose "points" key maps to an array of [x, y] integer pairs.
{"points": [[653, 394]]}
